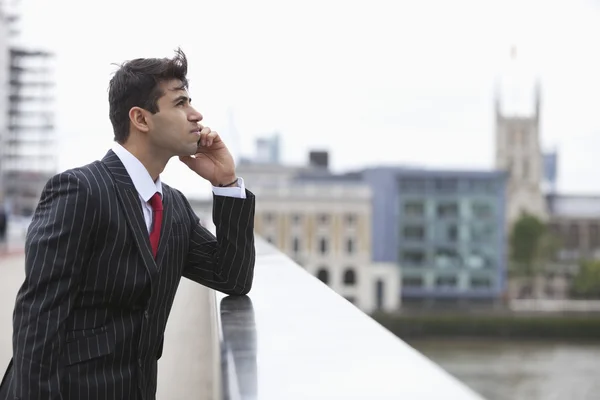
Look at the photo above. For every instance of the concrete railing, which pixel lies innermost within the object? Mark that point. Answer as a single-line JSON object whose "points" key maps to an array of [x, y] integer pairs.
{"points": [[291, 338], [190, 364]]}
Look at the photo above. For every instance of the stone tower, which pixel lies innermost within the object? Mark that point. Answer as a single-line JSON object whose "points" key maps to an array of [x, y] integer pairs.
{"points": [[518, 147]]}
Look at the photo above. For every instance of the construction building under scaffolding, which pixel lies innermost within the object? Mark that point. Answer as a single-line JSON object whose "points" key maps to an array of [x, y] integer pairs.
{"points": [[28, 154]]}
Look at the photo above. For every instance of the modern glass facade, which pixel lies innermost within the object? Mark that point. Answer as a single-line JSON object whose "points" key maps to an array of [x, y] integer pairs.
{"points": [[447, 231]]}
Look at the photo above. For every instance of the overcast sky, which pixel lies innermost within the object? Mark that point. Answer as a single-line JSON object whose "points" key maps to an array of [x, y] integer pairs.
{"points": [[374, 82]]}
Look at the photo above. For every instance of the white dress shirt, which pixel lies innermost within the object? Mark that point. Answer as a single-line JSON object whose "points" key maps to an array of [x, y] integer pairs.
{"points": [[146, 187]]}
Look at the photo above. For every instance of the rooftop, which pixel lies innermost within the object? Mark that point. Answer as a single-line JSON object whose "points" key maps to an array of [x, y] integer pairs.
{"points": [[436, 172], [574, 206]]}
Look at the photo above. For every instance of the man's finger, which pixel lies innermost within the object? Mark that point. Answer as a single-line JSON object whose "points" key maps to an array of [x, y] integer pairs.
{"points": [[204, 138], [211, 137], [203, 134]]}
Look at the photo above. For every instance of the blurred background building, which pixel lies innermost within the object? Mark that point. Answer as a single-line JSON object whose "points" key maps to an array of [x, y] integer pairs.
{"points": [[518, 144], [445, 229], [573, 221], [267, 151], [446, 232], [389, 236], [433, 249], [28, 151], [4, 99], [322, 221]]}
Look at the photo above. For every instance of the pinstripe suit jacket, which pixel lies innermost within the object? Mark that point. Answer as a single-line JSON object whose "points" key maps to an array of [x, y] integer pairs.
{"points": [[89, 318]]}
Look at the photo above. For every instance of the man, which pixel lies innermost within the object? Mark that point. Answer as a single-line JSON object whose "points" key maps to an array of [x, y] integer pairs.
{"points": [[3, 227], [109, 243]]}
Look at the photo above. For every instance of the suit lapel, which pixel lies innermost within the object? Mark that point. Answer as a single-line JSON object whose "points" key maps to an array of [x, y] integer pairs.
{"points": [[130, 201]]}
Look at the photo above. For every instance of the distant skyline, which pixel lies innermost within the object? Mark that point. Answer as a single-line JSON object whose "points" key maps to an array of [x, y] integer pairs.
{"points": [[385, 82]]}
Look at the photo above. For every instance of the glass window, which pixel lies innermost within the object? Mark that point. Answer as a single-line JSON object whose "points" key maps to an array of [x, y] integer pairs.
{"points": [[446, 185], [481, 283], [485, 185], [414, 232], [414, 208], [413, 185], [323, 246], [323, 219], [446, 281], [414, 257], [447, 258], [296, 219], [452, 232], [447, 210], [482, 233], [380, 293], [323, 275], [350, 277], [350, 219], [478, 260], [481, 209], [412, 281], [349, 246]]}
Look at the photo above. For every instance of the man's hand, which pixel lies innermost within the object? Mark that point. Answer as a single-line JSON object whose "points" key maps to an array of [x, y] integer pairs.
{"points": [[213, 161]]}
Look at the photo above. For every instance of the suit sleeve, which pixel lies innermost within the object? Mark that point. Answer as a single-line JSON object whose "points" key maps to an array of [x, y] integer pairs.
{"points": [[225, 262], [55, 249]]}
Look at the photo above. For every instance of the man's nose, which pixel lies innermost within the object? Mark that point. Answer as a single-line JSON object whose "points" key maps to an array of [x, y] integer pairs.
{"points": [[195, 116]]}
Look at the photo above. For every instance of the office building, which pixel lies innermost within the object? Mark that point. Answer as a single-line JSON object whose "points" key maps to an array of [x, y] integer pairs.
{"points": [[444, 228]]}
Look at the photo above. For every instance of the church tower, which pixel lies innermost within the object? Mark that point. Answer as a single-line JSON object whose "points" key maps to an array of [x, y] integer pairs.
{"points": [[518, 147]]}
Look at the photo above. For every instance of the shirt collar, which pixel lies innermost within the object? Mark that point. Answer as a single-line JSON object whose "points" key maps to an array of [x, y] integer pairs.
{"points": [[138, 173]]}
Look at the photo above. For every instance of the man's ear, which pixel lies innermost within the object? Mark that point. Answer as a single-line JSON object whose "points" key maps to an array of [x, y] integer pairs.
{"points": [[139, 118]]}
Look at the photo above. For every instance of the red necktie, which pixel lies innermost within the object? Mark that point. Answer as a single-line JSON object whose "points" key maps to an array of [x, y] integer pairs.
{"points": [[157, 207]]}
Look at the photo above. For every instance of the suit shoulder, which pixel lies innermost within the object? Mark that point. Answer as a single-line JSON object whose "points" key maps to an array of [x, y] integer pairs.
{"points": [[89, 176], [174, 193]]}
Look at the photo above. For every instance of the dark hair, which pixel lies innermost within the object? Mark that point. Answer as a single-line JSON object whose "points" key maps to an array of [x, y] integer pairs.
{"points": [[136, 84]]}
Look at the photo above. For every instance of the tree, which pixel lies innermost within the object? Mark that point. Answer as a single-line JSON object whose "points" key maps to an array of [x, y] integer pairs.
{"points": [[587, 281], [531, 246]]}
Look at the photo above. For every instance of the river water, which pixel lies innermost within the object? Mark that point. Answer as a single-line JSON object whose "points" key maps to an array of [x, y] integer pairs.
{"points": [[518, 370]]}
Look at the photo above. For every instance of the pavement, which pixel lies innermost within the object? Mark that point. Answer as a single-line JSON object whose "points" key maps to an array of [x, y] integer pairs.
{"points": [[14, 241], [12, 270], [13, 273]]}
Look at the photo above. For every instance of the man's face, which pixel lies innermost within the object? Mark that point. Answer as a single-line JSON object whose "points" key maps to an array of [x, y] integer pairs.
{"points": [[175, 127]]}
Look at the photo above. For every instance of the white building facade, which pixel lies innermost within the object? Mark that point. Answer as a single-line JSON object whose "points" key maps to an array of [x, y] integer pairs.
{"points": [[325, 227], [4, 91]]}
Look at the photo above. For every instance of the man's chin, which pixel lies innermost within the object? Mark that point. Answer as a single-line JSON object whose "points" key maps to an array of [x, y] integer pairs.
{"points": [[189, 151]]}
